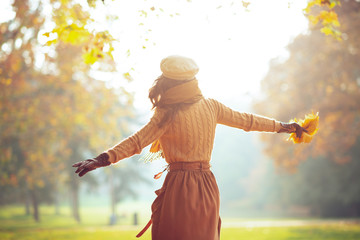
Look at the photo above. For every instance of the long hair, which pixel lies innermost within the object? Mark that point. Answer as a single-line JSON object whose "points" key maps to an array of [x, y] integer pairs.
{"points": [[160, 86]]}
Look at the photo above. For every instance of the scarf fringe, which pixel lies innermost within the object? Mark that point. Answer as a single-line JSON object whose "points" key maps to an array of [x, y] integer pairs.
{"points": [[152, 156]]}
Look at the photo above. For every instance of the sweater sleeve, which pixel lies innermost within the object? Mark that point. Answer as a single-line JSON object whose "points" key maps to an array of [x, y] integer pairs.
{"points": [[136, 142], [245, 121]]}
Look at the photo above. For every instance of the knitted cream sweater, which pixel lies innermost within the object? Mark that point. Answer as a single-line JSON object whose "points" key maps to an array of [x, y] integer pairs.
{"points": [[190, 136]]}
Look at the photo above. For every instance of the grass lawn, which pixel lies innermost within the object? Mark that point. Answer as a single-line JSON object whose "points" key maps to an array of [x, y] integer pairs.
{"points": [[15, 225]]}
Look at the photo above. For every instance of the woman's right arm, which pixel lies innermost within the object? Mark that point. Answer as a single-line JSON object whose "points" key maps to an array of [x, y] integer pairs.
{"points": [[136, 142]]}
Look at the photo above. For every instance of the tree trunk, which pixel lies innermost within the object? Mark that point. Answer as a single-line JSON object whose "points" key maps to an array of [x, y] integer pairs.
{"points": [[27, 207], [112, 198], [56, 198], [27, 202], [57, 204], [35, 204], [75, 200], [112, 193]]}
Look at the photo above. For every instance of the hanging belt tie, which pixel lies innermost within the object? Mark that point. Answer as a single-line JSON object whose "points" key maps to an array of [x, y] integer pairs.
{"points": [[157, 176], [144, 229]]}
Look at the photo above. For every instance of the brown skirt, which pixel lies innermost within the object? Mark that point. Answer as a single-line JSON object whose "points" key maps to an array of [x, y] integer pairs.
{"points": [[187, 205]]}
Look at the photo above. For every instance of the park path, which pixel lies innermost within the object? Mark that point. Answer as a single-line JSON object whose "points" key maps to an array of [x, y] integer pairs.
{"points": [[285, 223]]}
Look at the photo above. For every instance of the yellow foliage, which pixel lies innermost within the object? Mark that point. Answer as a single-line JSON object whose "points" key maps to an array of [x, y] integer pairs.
{"points": [[310, 124], [71, 28], [245, 4], [328, 18], [314, 20], [51, 42], [90, 57], [6, 81], [99, 46], [326, 30], [127, 76]]}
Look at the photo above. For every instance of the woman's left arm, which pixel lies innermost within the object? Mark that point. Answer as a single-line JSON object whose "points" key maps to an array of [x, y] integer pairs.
{"points": [[245, 121], [253, 122]]}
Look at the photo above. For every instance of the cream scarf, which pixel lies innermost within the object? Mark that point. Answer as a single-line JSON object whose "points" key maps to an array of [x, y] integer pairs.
{"points": [[187, 92]]}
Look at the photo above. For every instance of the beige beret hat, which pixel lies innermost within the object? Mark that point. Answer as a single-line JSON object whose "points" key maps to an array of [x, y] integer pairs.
{"points": [[179, 67]]}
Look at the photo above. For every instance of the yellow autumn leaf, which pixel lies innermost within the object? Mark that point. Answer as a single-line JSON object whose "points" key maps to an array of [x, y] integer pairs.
{"points": [[328, 17], [318, 2], [245, 4], [72, 37], [310, 124], [89, 57], [313, 19], [73, 34], [127, 76], [327, 30], [332, 5], [51, 42], [335, 23]]}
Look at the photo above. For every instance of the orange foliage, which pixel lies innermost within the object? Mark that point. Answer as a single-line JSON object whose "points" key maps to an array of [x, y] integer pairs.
{"points": [[320, 73]]}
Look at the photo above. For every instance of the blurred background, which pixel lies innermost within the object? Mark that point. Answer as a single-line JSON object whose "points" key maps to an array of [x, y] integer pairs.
{"points": [[74, 78]]}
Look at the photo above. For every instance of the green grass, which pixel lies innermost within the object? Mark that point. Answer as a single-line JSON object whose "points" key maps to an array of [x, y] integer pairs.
{"points": [[330, 232], [15, 225]]}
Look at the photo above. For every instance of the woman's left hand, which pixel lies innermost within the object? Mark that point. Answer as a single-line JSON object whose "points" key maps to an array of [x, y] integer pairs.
{"points": [[292, 128]]}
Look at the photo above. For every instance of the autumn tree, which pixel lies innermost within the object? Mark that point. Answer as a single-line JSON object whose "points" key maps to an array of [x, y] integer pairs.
{"points": [[53, 112], [20, 83], [321, 74]]}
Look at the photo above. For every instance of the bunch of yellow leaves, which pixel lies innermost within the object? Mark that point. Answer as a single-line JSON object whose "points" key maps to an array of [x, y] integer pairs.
{"points": [[310, 124]]}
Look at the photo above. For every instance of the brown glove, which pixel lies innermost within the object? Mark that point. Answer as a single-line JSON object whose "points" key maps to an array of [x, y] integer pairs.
{"points": [[91, 164], [292, 127]]}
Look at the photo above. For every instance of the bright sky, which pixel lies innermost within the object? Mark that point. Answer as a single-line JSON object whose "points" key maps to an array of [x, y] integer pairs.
{"points": [[231, 44]]}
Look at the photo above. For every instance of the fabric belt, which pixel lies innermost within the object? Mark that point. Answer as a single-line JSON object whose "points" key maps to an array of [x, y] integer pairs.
{"points": [[179, 166], [176, 166]]}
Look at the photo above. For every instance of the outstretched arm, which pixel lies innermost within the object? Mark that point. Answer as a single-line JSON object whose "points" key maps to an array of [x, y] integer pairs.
{"points": [[136, 142], [252, 122], [126, 148]]}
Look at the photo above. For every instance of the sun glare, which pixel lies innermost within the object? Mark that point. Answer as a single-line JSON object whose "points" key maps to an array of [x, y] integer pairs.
{"points": [[231, 44]]}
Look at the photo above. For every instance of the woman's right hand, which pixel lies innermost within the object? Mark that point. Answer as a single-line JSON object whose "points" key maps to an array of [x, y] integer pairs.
{"points": [[88, 165]]}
